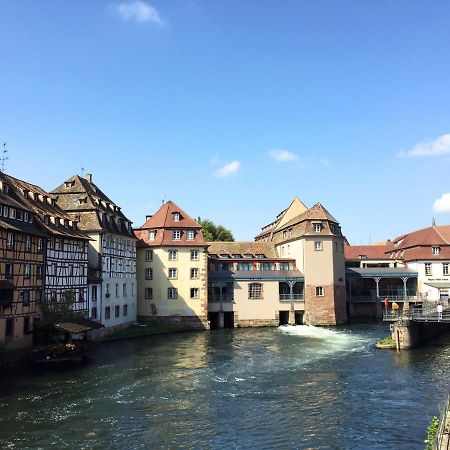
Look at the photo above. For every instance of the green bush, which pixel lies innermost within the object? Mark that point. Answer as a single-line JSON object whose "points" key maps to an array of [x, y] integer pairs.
{"points": [[386, 341], [431, 432]]}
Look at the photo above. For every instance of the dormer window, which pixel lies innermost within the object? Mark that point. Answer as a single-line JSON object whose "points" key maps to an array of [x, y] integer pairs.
{"points": [[225, 255], [435, 250], [19, 214], [46, 219], [151, 235], [176, 216], [190, 235], [236, 256], [176, 235], [5, 211], [5, 188], [12, 213], [317, 227], [362, 256], [25, 193]]}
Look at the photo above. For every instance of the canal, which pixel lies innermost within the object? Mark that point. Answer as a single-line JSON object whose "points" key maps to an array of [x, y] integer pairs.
{"points": [[287, 388]]}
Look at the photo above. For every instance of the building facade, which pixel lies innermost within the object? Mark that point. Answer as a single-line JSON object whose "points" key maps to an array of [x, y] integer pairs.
{"points": [[112, 290], [250, 285], [172, 269], [22, 258], [313, 238], [66, 252]]}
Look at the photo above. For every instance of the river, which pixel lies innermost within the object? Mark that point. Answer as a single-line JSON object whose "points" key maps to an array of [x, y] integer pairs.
{"points": [[271, 388]]}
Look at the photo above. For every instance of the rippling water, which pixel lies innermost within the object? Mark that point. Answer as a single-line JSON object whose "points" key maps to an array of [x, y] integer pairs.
{"points": [[287, 388]]}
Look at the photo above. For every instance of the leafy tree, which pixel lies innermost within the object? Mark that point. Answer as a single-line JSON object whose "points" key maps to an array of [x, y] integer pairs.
{"points": [[212, 232], [60, 311]]}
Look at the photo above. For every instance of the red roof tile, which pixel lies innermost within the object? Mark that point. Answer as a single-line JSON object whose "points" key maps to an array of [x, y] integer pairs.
{"points": [[368, 251]]}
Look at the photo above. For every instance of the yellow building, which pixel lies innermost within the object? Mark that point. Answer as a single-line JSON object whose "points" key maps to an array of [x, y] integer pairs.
{"points": [[172, 269]]}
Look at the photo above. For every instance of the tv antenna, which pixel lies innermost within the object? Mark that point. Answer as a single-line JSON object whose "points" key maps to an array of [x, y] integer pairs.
{"points": [[163, 199], [4, 157], [82, 172]]}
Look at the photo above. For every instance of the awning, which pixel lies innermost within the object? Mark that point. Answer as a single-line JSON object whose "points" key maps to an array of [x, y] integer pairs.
{"points": [[439, 284], [80, 326]]}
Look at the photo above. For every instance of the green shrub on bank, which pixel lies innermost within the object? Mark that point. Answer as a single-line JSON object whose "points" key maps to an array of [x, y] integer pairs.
{"points": [[431, 432], [386, 341]]}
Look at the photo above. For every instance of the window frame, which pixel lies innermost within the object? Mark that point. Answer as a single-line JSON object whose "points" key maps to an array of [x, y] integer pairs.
{"points": [[255, 291], [172, 293]]}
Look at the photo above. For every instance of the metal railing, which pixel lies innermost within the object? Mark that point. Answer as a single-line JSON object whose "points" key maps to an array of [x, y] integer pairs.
{"points": [[287, 297], [442, 430], [381, 298], [427, 314]]}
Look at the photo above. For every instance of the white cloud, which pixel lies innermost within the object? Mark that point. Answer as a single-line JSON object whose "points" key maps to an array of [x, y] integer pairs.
{"points": [[231, 168], [139, 11], [282, 155], [442, 204], [436, 147]]}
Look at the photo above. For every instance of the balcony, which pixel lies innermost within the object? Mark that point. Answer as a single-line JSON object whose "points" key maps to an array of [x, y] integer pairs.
{"points": [[295, 297]]}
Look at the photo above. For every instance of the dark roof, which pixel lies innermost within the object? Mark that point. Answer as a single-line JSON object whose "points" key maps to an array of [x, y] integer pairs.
{"points": [[94, 210], [387, 272], [257, 275], [43, 205]]}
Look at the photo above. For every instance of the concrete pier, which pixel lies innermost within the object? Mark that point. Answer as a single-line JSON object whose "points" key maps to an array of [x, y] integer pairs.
{"points": [[409, 333]]}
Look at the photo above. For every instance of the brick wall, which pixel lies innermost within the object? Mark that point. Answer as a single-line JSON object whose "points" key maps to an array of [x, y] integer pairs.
{"points": [[329, 309]]}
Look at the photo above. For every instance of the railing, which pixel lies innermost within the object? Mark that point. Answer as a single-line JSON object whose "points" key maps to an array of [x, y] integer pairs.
{"points": [[287, 297], [427, 314], [381, 298], [442, 428]]}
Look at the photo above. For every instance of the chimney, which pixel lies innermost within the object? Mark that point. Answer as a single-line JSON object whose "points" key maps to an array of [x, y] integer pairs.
{"points": [[148, 217], [89, 177]]}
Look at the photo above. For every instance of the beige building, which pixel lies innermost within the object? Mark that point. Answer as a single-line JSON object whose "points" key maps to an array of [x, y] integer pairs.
{"points": [[172, 269], [250, 285], [313, 238]]}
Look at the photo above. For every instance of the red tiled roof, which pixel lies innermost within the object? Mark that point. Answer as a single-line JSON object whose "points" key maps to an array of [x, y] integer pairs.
{"points": [[163, 224], [368, 251], [436, 235]]}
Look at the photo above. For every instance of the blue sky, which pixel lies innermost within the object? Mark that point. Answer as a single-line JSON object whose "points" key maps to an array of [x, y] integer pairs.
{"points": [[232, 108]]}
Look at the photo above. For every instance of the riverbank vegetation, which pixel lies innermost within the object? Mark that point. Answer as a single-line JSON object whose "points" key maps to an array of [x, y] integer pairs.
{"points": [[386, 342], [431, 433]]}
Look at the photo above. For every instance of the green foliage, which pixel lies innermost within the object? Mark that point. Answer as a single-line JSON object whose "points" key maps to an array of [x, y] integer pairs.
{"points": [[386, 341], [60, 311], [212, 232], [431, 433]]}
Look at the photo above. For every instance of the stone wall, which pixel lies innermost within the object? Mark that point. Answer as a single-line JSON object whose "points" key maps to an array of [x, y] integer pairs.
{"points": [[194, 322], [328, 309]]}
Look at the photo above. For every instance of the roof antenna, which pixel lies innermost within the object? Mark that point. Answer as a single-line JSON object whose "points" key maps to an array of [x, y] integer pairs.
{"points": [[163, 199], [433, 223], [4, 157], [82, 172]]}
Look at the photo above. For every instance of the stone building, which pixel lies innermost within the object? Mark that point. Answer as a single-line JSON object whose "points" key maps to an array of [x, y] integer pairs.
{"points": [[112, 292], [23, 244], [313, 238], [172, 269]]}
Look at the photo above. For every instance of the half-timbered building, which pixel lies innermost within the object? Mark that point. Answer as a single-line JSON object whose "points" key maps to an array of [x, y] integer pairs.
{"points": [[22, 258], [66, 255], [112, 250]]}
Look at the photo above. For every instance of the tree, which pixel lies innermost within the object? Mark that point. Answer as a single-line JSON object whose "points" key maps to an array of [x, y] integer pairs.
{"points": [[212, 232], [60, 311]]}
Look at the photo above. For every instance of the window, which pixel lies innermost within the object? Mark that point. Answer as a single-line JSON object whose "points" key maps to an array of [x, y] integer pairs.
{"points": [[116, 311], [28, 243], [194, 255], [319, 291], [10, 241], [151, 235], [70, 270], [172, 293], [117, 290], [285, 233], [39, 272], [317, 245], [195, 292], [9, 328], [25, 296], [194, 273], [26, 325], [12, 213], [107, 290], [176, 216], [8, 270], [5, 188], [435, 250], [38, 297], [176, 235], [172, 255], [94, 312], [236, 256], [428, 271], [284, 266], [26, 271], [317, 227], [5, 211], [125, 310], [124, 289], [255, 290], [149, 255], [19, 214], [148, 293], [107, 312], [39, 245], [149, 274], [26, 216], [172, 273], [444, 268], [54, 269], [190, 235], [94, 293]]}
